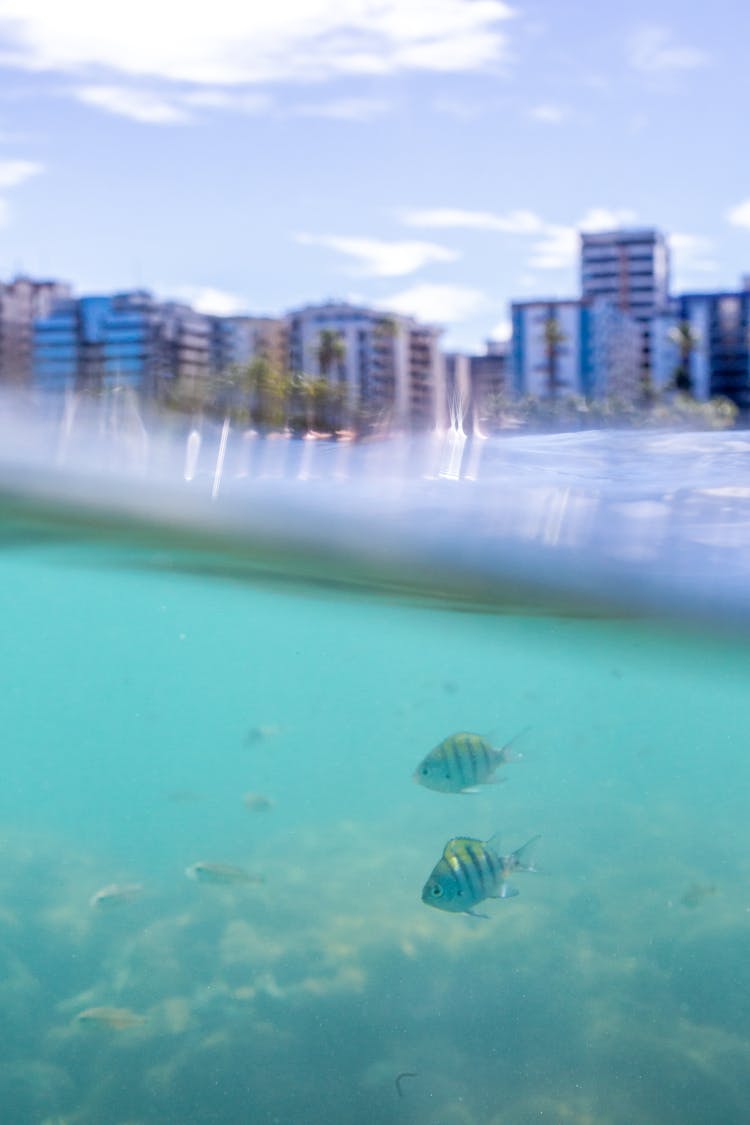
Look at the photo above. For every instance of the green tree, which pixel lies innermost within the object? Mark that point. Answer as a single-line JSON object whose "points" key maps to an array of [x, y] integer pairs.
{"points": [[330, 351], [686, 340], [553, 337], [265, 388]]}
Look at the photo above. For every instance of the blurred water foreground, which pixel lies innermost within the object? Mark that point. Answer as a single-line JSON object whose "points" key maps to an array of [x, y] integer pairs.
{"points": [[654, 520], [224, 655]]}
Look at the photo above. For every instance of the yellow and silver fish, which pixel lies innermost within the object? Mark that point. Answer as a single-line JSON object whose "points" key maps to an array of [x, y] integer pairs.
{"points": [[469, 871], [223, 874], [462, 762]]}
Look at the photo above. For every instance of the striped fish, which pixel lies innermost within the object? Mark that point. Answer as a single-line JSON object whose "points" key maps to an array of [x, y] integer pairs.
{"points": [[470, 871], [462, 762]]}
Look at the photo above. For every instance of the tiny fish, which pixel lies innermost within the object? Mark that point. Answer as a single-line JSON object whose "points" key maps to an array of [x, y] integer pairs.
{"points": [[115, 894], [262, 733], [117, 1018], [257, 802], [223, 874], [696, 893], [461, 763], [184, 796], [470, 871]]}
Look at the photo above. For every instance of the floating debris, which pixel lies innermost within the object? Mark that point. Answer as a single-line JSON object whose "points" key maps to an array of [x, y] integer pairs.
{"points": [[115, 894], [117, 1018], [220, 874], [462, 762], [400, 1078], [257, 802]]}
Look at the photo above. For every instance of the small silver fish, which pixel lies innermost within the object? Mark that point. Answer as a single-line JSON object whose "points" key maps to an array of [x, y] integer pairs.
{"points": [[117, 1018], [115, 894], [223, 874], [262, 733], [462, 762], [257, 802], [470, 871]]}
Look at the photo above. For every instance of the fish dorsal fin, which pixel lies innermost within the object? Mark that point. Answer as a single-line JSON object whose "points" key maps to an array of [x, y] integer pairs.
{"points": [[456, 843], [493, 844]]}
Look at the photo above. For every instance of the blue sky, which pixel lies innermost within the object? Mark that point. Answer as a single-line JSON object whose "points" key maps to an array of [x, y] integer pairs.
{"points": [[432, 156]]}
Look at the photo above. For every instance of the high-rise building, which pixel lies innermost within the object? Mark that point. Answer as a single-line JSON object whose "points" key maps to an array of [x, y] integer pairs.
{"points": [[21, 302], [122, 339], [237, 340], [563, 347], [705, 338], [385, 361], [629, 268]]}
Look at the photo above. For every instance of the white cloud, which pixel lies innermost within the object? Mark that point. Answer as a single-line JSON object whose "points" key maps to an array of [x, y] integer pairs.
{"points": [[214, 302], [605, 218], [548, 114], [15, 172], [346, 109], [739, 216], [652, 50], [169, 107], [514, 222], [691, 253], [502, 331], [378, 258], [556, 245], [225, 43], [238, 101], [436, 303], [138, 105], [558, 248]]}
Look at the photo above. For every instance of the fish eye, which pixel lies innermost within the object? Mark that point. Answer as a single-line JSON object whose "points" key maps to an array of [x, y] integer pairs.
{"points": [[437, 891], [424, 771]]}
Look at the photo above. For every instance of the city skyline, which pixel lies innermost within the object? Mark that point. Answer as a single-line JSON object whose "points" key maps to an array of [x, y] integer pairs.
{"points": [[434, 160]]}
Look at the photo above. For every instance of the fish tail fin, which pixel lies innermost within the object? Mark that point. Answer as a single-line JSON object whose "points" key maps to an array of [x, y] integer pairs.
{"points": [[508, 753], [522, 858]]}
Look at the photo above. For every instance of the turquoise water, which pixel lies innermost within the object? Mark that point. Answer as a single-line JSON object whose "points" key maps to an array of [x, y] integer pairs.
{"points": [[145, 694]]}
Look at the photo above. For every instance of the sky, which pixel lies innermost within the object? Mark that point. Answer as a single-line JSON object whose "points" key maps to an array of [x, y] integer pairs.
{"points": [[431, 157]]}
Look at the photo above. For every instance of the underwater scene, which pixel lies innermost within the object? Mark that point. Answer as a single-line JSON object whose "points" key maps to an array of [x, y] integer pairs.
{"points": [[314, 852]]}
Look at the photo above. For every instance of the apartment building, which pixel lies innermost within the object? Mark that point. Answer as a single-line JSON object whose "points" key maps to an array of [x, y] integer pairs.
{"points": [[584, 347], [122, 339], [630, 269], [385, 361], [706, 337], [21, 302]]}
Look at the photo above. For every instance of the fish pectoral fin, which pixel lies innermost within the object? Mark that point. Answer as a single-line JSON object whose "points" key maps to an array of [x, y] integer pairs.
{"points": [[470, 789], [505, 891], [476, 914]]}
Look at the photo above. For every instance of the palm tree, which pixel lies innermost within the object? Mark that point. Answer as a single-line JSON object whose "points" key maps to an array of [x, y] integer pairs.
{"points": [[553, 337], [686, 339], [330, 350]]}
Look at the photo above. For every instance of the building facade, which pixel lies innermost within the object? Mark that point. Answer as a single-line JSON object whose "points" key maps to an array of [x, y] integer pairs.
{"points": [[706, 336], [571, 347], [123, 339], [629, 269], [22, 301], [386, 362]]}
